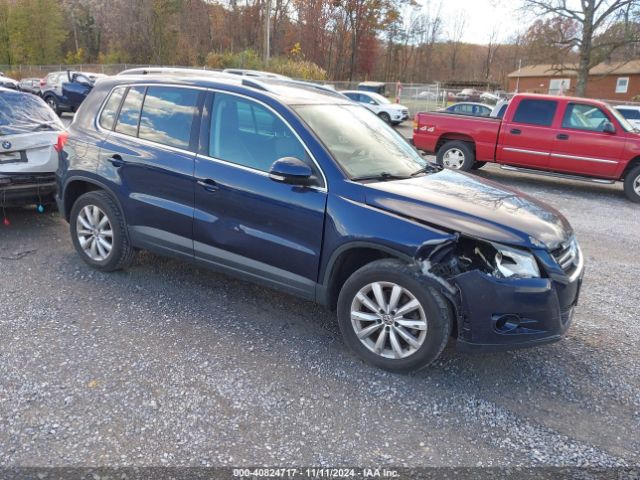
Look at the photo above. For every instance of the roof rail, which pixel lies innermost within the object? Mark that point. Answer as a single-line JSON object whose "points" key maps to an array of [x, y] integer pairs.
{"points": [[254, 83]]}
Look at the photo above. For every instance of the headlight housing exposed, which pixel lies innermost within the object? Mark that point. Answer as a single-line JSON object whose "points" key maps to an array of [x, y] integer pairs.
{"points": [[512, 262]]}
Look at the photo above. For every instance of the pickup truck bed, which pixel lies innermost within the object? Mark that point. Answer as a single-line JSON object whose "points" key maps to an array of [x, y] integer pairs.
{"points": [[561, 136]]}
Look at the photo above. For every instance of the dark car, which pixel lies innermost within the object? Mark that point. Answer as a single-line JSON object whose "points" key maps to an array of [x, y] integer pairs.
{"points": [[65, 91], [469, 108], [262, 180], [468, 95]]}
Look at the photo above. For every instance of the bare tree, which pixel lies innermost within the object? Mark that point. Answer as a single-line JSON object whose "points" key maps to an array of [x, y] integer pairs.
{"points": [[592, 16], [456, 32]]}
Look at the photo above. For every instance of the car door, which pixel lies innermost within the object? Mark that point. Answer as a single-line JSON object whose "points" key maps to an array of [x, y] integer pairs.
{"points": [[149, 159], [583, 146], [370, 103], [245, 221], [76, 90], [527, 138]]}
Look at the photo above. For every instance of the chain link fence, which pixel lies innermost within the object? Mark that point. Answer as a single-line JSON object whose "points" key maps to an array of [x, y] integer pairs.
{"points": [[415, 96]]}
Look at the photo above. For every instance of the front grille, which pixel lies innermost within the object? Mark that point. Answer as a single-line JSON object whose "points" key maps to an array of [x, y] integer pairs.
{"points": [[568, 256]]}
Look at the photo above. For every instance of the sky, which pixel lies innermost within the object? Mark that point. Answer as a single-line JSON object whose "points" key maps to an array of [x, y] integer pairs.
{"points": [[482, 16]]}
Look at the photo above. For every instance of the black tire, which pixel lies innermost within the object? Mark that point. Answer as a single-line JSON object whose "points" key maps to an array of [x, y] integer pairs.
{"points": [[439, 319], [385, 116], [632, 184], [478, 165], [457, 147], [53, 103], [122, 253]]}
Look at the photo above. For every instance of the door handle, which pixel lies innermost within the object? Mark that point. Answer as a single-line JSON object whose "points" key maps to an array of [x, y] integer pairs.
{"points": [[208, 184], [116, 161], [562, 136], [516, 131]]}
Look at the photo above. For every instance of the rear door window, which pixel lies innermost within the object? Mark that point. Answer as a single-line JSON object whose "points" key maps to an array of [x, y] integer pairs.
{"points": [[130, 112], [536, 112], [167, 115], [630, 114]]}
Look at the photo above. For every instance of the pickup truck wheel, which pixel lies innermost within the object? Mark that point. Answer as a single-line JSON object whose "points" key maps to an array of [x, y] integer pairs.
{"points": [[392, 318], [456, 155], [385, 116], [98, 232], [632, 184]]}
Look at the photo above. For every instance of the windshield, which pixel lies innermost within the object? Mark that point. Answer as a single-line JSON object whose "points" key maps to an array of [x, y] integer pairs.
{"points": [[368, 148], [22, 113], [623, 121]]}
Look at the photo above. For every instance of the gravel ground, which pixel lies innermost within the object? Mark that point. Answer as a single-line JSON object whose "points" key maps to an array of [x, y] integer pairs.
{"points": [[169, 364]]}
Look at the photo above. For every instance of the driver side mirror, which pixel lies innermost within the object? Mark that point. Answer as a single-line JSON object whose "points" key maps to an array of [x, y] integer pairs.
{"points": [[292, 171], [608, 128]]}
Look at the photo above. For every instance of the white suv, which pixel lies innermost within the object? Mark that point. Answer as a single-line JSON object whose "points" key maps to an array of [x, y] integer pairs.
{"points": [[631, 113], [392, 113]]}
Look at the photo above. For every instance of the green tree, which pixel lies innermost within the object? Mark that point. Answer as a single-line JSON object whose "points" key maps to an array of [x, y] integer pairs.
{"points": [[38, 31]]}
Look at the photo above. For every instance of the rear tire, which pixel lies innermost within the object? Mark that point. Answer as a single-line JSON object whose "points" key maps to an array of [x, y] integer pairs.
{"points": [[53, 103], [385, 337], [456, 155], [102, 244], [632, 184]]}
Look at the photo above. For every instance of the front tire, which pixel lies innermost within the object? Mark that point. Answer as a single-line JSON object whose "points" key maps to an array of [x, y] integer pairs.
{"points": [[456, 155], [392, 318], [385, 116], [98, 232], [53, 103], [632, 184]]}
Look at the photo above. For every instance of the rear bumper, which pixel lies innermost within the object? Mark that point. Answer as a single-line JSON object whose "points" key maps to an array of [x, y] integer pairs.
{"points": [[503, 314], [26, 189]]}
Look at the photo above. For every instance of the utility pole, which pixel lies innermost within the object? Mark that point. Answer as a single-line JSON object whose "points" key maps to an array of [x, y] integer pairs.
{"points": [[267, 31], [518, 78]]}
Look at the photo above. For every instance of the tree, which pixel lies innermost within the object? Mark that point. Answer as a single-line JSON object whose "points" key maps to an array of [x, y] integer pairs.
{"points": [[592, 17]]}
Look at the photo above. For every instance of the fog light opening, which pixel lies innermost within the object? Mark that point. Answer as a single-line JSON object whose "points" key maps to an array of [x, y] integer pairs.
{"points": [[507, 323]]}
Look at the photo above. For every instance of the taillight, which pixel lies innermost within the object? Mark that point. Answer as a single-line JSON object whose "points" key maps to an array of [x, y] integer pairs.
{"points": [[43, 82], [62, 141], [415, 122]]}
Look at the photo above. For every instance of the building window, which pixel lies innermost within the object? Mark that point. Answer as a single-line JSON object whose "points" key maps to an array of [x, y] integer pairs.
{"points": [[622, 85], [559, 86]]}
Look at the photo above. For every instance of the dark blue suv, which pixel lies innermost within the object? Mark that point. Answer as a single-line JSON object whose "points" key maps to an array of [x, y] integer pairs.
{"points": [[308, 193]]}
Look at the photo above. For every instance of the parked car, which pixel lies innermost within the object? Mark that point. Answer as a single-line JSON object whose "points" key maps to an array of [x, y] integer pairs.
{"points": [[65, 91], [374, 87], [30, 85], [575, 138], [29, 132], [500, 108], [263, 181], [631, 113], [469, 108], [468, 95], [392, 113], [6, 82]]}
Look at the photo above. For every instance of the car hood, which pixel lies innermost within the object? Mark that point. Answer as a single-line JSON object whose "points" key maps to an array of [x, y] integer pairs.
{"points": [[396, 106], [472, 206]]}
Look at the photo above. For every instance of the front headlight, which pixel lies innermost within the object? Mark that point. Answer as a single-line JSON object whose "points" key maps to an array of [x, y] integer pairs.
{"points": [[512, 262]]}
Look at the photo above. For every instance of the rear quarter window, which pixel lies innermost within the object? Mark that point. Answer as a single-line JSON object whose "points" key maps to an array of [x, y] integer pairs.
{"points": [[536, 112], [110, 110], [130, 112], [630, 114]]}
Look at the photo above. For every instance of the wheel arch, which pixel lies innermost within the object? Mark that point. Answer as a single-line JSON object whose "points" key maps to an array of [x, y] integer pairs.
{"points": [[75, 187], [633, 163], [461, 137], [347, 259]]}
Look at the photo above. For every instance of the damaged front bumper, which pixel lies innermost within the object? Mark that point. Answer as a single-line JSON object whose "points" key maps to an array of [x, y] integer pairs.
{"points": [[505, 313]]}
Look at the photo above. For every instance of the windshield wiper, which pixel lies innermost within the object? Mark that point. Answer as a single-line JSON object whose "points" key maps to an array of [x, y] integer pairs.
{"points": [[381, 176]]}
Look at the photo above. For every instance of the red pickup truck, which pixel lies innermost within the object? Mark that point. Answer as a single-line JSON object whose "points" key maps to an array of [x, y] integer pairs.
{"points": [[566, 137]]}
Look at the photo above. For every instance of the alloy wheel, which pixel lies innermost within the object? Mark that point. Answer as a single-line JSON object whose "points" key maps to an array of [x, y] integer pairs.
{"points": [[389, 320], [453, 158], [636, 185], [94, 232]]}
